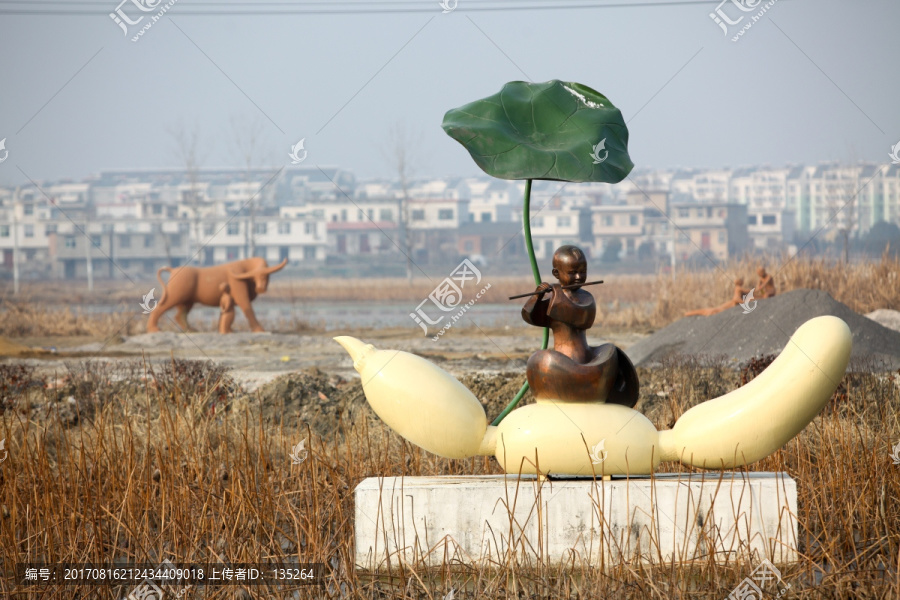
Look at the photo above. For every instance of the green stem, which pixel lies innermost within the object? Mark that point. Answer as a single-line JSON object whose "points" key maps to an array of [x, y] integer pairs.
{"points": [[529, 246]]}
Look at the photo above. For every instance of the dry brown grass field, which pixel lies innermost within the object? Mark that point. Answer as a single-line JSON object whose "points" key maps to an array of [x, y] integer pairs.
{"points": [[624, 301], [140, 462], [174, 462]]}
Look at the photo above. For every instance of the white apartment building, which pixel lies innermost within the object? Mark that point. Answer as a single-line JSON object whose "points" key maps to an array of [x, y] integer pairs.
{"points": [[552, 227], [701, 186], [300, 237], [27, 235], [491, 201], [356, 210]]}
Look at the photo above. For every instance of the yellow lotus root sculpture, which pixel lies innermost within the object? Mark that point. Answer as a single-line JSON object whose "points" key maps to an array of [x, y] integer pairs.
{"points": [[430, 408]]}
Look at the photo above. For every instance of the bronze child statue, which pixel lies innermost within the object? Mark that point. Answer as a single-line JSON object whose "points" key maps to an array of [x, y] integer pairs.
{"points": [[575, 371], [766, 286], [226, 309]]}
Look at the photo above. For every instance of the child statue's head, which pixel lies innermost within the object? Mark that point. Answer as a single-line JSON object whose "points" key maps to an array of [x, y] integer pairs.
{"points": [[569, 265]]}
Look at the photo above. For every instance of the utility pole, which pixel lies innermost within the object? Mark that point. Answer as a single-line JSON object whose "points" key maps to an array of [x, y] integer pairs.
{"points": [[15, 256], [187, 150], [403, 217], [248, 139], [400, 150], [89, 264], [674, 237]]}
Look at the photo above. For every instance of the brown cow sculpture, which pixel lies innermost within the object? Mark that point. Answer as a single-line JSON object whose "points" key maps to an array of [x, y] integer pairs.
{"points": [[242, 280]]}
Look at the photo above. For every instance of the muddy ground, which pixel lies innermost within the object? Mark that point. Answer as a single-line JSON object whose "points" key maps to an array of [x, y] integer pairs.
{"points": [[290, 379], [306, 378], [254, 359]]}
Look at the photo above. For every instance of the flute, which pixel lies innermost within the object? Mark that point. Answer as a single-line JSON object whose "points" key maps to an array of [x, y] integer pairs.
{"points": [[565, 287]]}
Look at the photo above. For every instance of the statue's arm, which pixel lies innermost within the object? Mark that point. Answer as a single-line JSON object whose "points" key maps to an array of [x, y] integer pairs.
{"points": [[535, 310]]}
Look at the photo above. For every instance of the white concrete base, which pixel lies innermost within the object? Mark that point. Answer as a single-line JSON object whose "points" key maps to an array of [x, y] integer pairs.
{"points": [[579, 522]]}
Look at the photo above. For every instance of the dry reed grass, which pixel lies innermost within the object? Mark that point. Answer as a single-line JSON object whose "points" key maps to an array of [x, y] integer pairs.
{"points": [[864, 286], [153, 466], [623, 302], [24, 319]]}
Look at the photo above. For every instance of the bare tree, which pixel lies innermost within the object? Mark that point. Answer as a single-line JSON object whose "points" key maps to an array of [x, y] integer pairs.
{"points": [[400, 150], [249, 140], [187, 152], [841, 199]]}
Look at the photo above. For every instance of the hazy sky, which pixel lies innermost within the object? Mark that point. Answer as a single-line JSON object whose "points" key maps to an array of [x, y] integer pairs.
{"points": [[810, 81]]}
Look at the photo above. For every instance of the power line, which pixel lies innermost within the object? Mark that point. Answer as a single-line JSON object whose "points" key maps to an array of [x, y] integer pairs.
{"points": [[217, 8], [467, 4], [297, 3]]}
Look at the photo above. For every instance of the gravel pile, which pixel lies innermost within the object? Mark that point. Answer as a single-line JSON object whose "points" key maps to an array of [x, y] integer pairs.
{"points": [[738, 337]]}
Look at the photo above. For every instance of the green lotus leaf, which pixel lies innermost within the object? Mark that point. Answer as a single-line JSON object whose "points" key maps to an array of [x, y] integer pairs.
{"points": [[555, 130]]}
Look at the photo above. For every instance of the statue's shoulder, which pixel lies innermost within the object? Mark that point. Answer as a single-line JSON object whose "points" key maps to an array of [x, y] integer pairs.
{"points": [[585, 298]]}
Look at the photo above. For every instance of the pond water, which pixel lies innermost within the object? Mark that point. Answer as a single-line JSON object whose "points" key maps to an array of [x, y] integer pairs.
{"points": [[332, 316]]}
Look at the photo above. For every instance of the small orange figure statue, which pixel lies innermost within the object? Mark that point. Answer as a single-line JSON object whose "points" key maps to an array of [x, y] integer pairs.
{"points": [[226, 306], [574, 371], [736, 299], [766, 286]]}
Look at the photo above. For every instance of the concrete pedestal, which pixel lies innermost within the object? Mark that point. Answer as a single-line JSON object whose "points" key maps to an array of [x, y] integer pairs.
{"points": [[578, 522]]}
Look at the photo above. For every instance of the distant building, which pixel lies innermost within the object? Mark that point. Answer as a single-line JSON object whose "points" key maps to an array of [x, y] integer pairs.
{"points": [[491, 202], [129, 222], [622, 223], [363, 238], [552, 227], [492, 241], [27, 227], [716, 230], [434, 225], [770, 228]]}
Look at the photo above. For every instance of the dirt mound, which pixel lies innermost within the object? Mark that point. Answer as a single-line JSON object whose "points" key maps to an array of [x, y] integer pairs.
{"points": [[738, 337], [496, 390], [320, 399], [311, 396]]}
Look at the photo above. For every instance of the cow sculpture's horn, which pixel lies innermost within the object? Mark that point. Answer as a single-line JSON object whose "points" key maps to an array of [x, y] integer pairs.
{"points": [[278, 267], [260, 271]]}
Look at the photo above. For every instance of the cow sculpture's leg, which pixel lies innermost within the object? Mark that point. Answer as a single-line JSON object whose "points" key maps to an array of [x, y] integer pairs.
{"points": [[155, 315], [247, 309], [181, 316], [152, 326]]}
